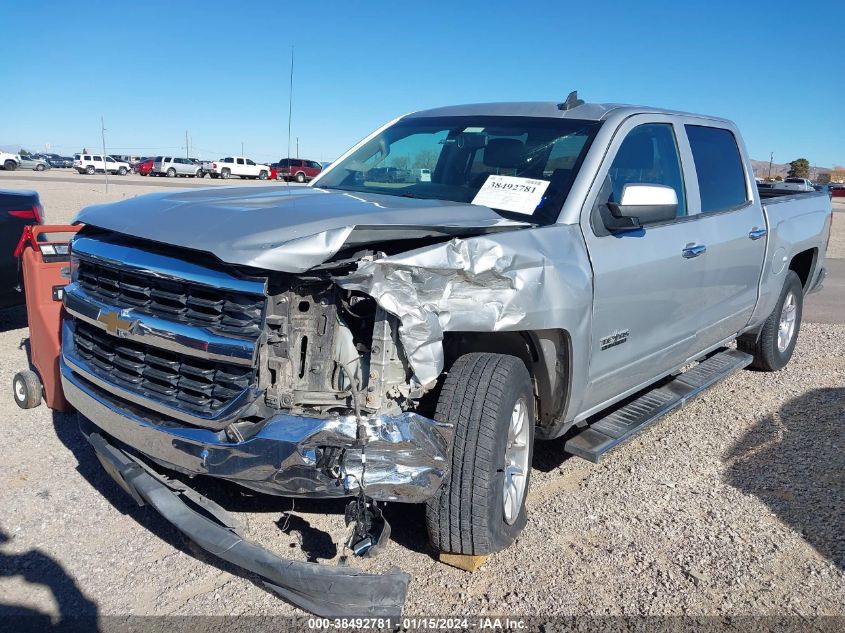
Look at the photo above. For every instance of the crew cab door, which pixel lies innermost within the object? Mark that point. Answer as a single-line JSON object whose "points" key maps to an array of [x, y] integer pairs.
{"points": [[731, 226], [645, 283]]}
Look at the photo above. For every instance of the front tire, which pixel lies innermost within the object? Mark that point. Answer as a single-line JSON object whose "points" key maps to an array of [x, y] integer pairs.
{"points": [[26, 388], [262, 175], [480, 508], [300, 177], [39, 168], [121, 171], [773, 348], [10, 165]]}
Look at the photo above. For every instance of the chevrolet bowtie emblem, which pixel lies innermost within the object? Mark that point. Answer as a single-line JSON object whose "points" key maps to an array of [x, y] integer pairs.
{"points": [[115, 324]]}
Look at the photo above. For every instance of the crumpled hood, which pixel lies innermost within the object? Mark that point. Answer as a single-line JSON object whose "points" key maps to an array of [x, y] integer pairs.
{"points": [[289, 229]]}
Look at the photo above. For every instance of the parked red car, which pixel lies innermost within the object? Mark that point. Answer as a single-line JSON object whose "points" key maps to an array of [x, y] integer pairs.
{"points": [[297, 169], [145, 167]]}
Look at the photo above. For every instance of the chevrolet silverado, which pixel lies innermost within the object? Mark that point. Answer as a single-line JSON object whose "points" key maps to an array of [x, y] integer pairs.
{"points": [[570, 269]]}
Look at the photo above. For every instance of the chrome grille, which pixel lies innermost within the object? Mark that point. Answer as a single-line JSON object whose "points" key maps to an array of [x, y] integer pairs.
{"points": [[221, 311], [184, 382]]}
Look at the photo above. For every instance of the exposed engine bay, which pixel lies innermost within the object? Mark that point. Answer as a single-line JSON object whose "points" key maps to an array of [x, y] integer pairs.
{"points": [[330, 350]]}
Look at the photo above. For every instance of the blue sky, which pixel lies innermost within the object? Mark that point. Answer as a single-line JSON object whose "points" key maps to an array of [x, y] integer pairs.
{"points": [[220, 70]]}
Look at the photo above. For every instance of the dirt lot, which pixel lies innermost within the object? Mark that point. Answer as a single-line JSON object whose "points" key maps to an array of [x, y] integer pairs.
{"points": [[733, 506]]}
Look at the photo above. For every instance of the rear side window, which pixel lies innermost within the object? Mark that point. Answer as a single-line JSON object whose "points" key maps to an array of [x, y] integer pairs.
{"points": [[721, 177]]}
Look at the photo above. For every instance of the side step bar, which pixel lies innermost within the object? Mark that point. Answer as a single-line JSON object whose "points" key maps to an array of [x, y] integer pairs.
{"points": [[612, 429]]}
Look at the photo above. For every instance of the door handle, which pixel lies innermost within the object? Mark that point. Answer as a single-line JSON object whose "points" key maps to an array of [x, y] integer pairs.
{"points": [[693, 250], [756, 233]]}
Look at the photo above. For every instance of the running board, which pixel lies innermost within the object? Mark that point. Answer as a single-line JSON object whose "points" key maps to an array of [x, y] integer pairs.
{"points": [[611, 430]]}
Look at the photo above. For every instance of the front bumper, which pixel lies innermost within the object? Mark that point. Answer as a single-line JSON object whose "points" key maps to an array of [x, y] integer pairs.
{"points": [[407, 455], [321, 589]]}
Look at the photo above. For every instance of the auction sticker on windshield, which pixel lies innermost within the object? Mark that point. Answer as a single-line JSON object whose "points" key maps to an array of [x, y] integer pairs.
{"points": [[509, 193]]}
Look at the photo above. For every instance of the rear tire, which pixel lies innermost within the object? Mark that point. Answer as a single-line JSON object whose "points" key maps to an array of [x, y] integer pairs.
{"points": [[171, 173], [485, 396], [26, 387], [10, 165], [300, 177], [90, 170], [225, 173], [773, 348]]}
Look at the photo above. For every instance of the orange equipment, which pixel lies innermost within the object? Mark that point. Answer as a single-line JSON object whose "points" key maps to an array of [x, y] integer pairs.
{"points": [[44, 254]]}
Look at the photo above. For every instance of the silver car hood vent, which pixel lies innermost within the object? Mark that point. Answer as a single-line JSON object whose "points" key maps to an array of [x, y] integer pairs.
{"points": [[289, 229]]}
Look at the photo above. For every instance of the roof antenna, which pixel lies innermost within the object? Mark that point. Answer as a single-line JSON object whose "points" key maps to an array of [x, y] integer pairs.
{"points": [[572, 101]]}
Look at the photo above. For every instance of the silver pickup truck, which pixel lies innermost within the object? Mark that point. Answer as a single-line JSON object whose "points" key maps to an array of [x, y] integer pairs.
{"points": [[567, 269]]}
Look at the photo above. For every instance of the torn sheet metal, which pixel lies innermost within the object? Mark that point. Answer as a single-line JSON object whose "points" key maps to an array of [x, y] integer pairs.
{"points": [[286, 229], [520, 280]]}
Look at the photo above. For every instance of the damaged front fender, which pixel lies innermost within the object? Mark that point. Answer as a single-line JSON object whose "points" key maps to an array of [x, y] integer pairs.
{"points": [[521, 280]]}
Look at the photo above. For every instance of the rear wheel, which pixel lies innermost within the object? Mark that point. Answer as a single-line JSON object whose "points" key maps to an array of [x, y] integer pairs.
{"points": [[773, 348], [481, 506], [300, 177], [90, 170], [171, 173], [225, 173], [26, 387], [10, 165]]}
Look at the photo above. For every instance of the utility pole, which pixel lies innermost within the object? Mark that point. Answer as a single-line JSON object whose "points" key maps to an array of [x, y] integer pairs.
{"points": [[290, 99], [297, 147], [771, 158], [103, 132], [187, 146], [242, 148]]}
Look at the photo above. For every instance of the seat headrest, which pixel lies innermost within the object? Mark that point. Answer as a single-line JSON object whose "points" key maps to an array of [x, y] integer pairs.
{"points": [[636, 153], [508, 153]]}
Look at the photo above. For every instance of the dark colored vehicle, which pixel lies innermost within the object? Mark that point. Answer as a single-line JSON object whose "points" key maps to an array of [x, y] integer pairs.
{"points": [[17, 209], [837, 190], [144, 167], [387, 174], [297, 169]]}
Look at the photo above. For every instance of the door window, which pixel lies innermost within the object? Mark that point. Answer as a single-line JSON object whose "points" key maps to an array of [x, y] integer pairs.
{"points": [[721, 177], [98, 159], [249, 162], [240, 161], [648, 155]]}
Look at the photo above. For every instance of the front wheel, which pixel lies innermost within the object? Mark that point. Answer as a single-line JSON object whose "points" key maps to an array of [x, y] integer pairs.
{"points": [[121, 171], [773, 348], [480, 508], [39, 168], [300, 177], [262, 175], [10, 165]]}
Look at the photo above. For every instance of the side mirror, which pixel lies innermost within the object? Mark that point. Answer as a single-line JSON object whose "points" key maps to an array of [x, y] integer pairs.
{"points": [[642, 204]]}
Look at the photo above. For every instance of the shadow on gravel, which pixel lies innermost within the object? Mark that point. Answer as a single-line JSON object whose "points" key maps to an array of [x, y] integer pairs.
{"points": [[37, 568], [794, 462], [13, 318]]}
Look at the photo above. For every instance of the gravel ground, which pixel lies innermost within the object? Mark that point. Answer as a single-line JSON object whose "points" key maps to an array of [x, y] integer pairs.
{"points": [[734, 505]]}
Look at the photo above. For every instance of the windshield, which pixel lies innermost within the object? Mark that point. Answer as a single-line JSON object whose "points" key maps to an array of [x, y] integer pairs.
{"points": [[451, 158]]}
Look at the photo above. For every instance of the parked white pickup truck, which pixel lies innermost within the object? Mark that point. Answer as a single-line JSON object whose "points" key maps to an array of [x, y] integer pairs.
{"points": [[567, 270], [237, 166], [9, 162], [790, 184]]}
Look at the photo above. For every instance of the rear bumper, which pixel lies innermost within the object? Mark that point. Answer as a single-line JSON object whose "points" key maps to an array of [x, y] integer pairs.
{"points": [[407, 455], [321, 589]]}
